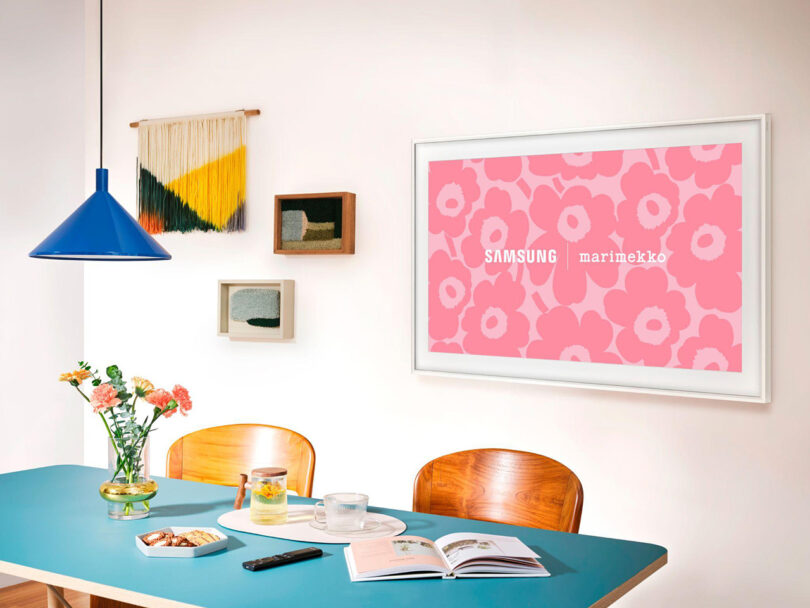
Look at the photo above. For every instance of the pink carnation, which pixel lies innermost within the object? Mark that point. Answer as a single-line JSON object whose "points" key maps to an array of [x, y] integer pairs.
{"points": [[183, 400], [104, 396], [159, 398]]}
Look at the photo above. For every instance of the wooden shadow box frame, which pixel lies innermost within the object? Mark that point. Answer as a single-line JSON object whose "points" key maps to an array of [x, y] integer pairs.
{"points": [[347, 232]]}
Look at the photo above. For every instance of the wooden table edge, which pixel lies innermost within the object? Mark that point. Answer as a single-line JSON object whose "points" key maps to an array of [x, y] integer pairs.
{"points": [[631, 582], [83, 586]]}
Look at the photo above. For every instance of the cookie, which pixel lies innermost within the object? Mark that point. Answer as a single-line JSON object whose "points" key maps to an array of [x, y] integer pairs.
{"points": [[153, 537], [200, 537]]}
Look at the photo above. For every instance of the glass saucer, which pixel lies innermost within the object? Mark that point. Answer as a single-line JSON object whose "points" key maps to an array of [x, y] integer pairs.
{"points": [[370, 523]]}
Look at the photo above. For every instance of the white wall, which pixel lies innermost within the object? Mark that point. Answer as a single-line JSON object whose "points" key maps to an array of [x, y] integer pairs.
{"points": [[41, 182], [343, 87]]}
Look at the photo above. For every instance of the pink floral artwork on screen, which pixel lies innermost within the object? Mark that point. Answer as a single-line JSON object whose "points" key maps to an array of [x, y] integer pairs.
{"points": [[622, 257]]}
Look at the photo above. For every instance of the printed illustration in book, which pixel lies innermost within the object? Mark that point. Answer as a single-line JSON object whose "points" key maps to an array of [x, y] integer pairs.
{"points": [[457, 555]]}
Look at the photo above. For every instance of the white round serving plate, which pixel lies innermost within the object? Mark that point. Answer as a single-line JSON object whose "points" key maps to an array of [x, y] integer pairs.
{"points": [[369, 524], [298, 527]]}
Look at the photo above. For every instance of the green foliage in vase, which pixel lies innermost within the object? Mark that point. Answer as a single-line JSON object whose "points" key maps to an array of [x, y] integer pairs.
{"points": [[115, 403]]}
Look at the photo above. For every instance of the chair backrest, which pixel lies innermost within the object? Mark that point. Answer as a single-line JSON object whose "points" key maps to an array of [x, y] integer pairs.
{"points": [[504, 486], [220, 453]]}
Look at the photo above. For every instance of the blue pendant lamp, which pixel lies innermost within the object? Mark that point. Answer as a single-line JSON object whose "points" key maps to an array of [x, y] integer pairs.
{"points": [[100, 229]]}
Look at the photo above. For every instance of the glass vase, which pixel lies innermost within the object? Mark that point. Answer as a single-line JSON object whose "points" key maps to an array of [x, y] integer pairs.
{"points": [[129, 488]]}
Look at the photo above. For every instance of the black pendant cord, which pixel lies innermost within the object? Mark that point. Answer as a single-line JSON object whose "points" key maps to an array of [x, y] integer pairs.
{"points": [[101, 83]]}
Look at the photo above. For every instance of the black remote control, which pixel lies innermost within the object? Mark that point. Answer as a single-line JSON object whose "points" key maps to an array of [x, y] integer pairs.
{"points": [[282, 558]]}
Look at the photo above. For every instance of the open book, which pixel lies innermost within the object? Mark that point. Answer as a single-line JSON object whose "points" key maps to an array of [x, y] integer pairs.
{"points": [[462, 554]]}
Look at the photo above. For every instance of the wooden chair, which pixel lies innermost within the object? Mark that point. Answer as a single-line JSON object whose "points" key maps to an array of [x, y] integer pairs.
{"points": [[504, 486], [220, 453]]}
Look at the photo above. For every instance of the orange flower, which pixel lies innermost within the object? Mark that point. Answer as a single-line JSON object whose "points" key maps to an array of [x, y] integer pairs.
{"points": [[180, 395], [143, 388], [159, 398], [270, 490], [78, 376], [104, 397]]}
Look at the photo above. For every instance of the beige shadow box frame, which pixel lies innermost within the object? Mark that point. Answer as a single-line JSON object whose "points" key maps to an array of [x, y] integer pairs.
{"points": [[242, 330]]}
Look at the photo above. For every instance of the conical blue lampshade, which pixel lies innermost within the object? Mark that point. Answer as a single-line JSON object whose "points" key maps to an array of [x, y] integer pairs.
{"points": [[101, 229]]}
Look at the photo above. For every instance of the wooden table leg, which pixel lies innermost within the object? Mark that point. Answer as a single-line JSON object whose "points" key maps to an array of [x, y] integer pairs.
{"points": [[103, 602], [53, 594]]}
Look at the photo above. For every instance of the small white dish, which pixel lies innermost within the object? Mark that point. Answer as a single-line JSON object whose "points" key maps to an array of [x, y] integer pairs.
{"points": [[205, 549], [369, 523]]}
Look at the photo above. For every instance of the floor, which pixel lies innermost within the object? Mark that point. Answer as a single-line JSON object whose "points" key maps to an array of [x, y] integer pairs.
{"points": [[32, 595]]}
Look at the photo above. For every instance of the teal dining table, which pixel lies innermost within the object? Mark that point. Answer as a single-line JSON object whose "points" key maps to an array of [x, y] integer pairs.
{"points": [[54, 529]]}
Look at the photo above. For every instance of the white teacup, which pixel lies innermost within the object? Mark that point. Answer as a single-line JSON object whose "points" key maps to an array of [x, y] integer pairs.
{"points": [[342, 511]]}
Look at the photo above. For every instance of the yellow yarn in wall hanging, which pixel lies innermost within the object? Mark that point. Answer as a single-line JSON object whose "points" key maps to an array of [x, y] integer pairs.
{"points": [[192, 173]]}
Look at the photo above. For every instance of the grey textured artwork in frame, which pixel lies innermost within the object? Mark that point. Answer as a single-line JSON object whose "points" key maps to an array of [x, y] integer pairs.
{"points": [[256, 306], [293, 225]]}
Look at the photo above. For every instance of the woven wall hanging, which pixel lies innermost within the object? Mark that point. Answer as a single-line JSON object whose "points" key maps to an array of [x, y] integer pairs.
{"points": [[191, 173]]}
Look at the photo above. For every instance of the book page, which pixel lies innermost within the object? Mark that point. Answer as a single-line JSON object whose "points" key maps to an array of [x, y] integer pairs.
{"points": [[462, 547], [396, 555]]}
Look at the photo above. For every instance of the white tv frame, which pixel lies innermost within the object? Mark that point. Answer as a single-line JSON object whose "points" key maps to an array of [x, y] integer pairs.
{"points": [[752, 385]]}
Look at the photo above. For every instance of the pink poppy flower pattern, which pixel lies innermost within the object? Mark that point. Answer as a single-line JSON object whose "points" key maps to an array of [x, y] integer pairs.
{"points": [[707, 249], [650, 208], [618, 257], [713, 348], [651, 316], [586, 165], [564, 338], [506, 169], [493, 324], [446, 347], [449, 289], [452, 191], [495, 226], [710, 165], [576, 222]]}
